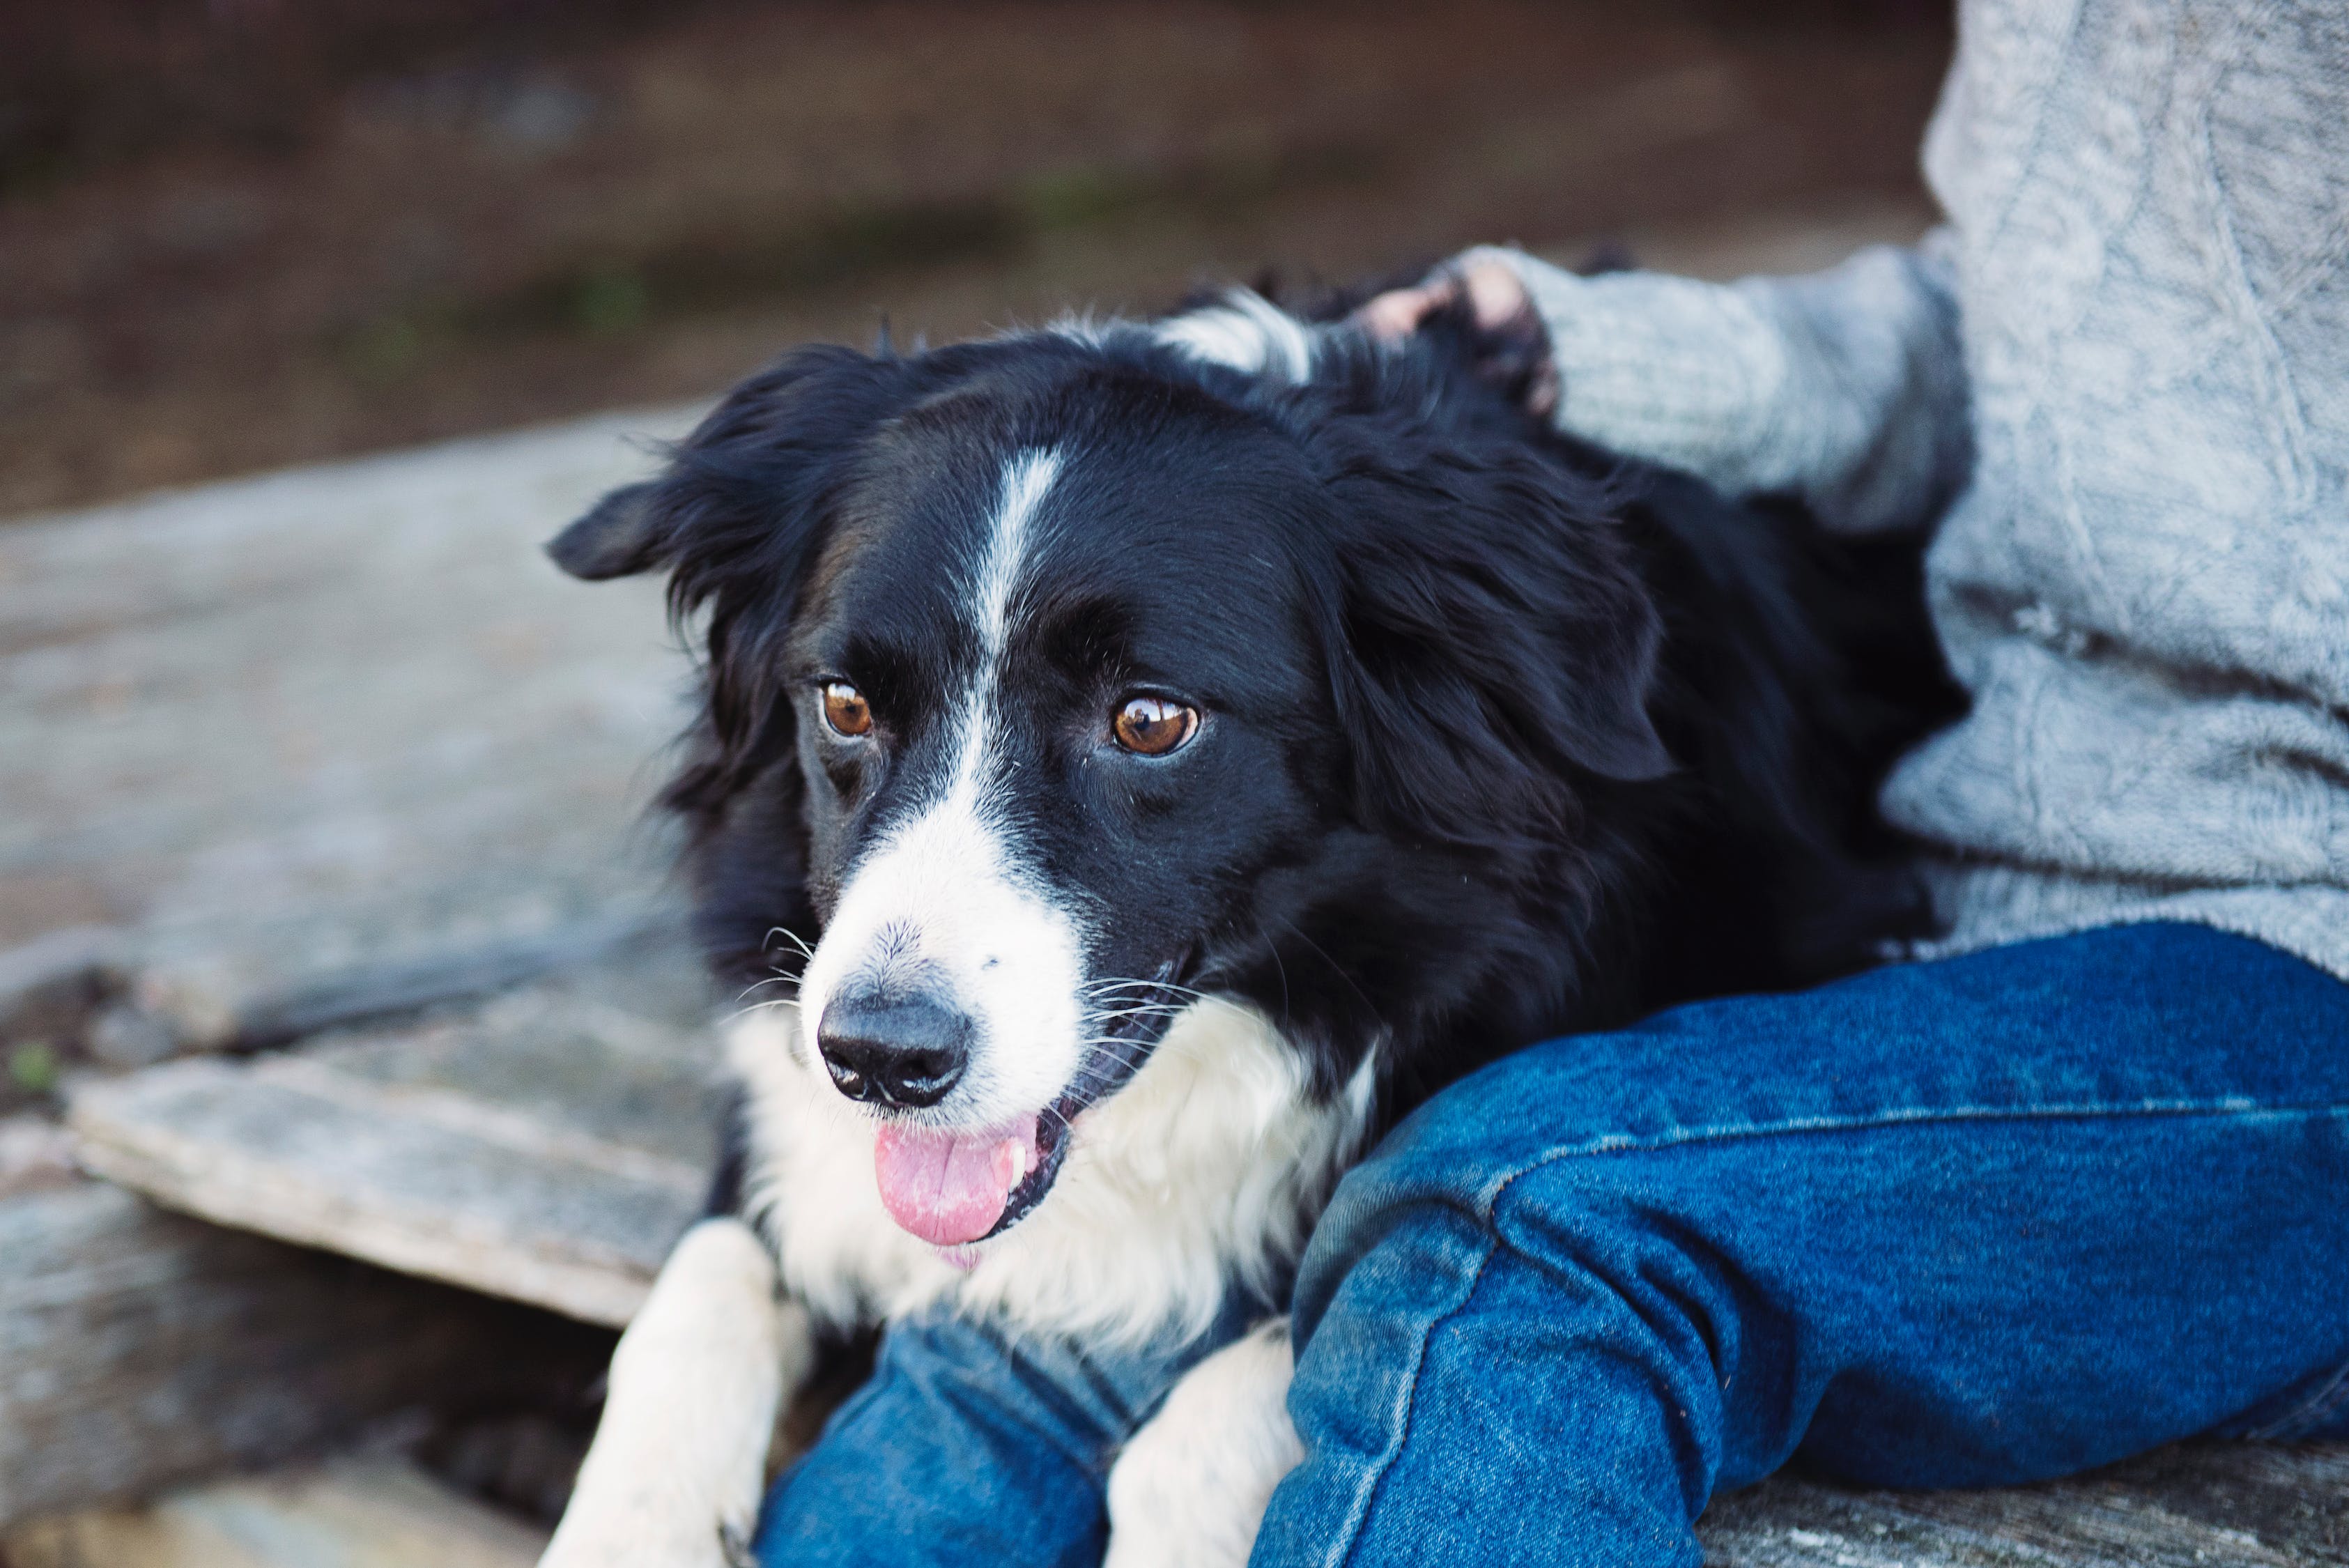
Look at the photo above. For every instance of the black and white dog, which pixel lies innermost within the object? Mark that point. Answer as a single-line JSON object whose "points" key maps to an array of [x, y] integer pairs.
{"points": [[1187, 745]]}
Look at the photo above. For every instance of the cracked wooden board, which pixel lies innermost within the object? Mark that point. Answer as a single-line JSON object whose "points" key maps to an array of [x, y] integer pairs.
{"points": [[547, 1147], [140, 1349], [352, 1512], [2200, 1505], [338, 741]]}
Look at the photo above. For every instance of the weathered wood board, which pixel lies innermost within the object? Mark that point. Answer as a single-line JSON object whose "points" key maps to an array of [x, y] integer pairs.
{"points": [[140, 1349], [2201, 1505], [548, 1145], [378, 1512], [333, 741]]}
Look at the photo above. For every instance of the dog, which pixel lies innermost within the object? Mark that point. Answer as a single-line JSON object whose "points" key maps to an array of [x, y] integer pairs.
{"points": [[1173, 750]]}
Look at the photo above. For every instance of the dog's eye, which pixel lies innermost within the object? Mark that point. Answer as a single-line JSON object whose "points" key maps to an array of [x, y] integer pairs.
{"points": [[845, 709], [1154, 726]]}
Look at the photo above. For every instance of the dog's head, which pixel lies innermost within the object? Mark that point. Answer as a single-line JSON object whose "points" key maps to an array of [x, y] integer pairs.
{"points": [[1055, 680]]}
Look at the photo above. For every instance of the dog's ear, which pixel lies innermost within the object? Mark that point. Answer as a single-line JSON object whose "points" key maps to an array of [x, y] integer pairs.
{"points": [[1494, 644], [747, 484], [617, 538], [734, 519]]}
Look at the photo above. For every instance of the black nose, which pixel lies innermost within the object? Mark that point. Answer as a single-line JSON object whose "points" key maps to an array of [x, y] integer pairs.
{"points": [[894, 1049]]}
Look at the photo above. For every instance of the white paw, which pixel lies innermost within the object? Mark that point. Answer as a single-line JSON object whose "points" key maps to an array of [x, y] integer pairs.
{"points": [[1191, 1487], [673, 1478], [646, 1540]]}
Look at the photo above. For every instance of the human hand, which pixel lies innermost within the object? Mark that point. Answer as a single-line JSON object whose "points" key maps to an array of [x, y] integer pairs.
{"points": [[1492, 286], [1496, 297]]}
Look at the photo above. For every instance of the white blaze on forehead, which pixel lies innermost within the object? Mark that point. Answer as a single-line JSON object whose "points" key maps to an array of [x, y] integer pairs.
{"points": [[947, 894], [987, 593], [1026, 478]]}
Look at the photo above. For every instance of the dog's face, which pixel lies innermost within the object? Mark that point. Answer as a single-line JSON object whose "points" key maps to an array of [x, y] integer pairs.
{"points": [[1055, 710], [1045, 684]]}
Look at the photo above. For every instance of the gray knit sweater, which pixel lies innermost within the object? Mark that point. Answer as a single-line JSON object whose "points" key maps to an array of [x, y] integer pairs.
{"points": [[2120, 376]]}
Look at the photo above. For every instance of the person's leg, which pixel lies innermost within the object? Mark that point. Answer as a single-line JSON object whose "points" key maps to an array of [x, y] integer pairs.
{"points": [[1968, 1222], [971, 1447]]}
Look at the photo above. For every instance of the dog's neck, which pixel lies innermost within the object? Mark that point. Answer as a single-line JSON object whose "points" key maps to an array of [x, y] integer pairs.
{"points": [[1203, 1175]]}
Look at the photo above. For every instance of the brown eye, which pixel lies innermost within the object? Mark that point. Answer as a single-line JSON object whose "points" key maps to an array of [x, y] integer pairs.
{"points": [[1154, 726], [845, 709]]}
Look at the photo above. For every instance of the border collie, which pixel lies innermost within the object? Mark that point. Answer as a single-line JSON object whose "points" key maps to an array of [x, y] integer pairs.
{"points": [[1174, 749]]}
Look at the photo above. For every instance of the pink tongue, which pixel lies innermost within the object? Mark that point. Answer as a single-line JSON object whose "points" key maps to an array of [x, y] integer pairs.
{"points": [[949, 1188]]}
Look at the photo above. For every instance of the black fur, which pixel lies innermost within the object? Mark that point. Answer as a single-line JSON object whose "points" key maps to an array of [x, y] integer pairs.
{"points": [[1512, 738]]}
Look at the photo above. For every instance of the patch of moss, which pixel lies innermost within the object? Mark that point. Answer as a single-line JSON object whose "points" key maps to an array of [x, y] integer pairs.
{"points": [[32, 1066]]}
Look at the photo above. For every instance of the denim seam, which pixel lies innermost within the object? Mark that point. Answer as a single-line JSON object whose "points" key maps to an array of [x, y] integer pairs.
{"points": [[1625, 1143], [2311, 1411], [1347, 1537]]}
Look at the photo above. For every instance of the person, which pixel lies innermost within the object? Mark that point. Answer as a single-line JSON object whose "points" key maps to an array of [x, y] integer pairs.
{"points": [[2067, 1186]]}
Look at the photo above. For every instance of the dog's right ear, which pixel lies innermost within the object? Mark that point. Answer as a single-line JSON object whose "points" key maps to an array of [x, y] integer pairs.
{"points": [[745, 488], [617, 538], [734, 519]]}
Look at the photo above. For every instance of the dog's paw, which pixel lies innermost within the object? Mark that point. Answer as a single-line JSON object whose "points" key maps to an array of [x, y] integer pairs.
{"points": [[648, 1542], [674, 1476], [1191, 1487]]}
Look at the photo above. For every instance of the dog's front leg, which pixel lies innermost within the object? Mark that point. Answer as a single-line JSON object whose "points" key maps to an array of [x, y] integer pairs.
{"points": [[1191, 1487], [674, 1476]]}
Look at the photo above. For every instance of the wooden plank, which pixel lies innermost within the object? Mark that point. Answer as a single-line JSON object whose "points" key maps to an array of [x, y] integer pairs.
{"points": [[51, 982], [2294, 1499], [139, 1348], [2243, 1504], [374, 1513], [548, 1146], [334, 742], [135, 1347], [35, 1154]]}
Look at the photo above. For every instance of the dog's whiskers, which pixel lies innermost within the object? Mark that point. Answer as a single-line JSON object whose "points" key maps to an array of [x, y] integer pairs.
{"points": [[776, 979], [1125, 1052], [1128, 983], [790, 935], [1056, 1113], [741, 1012]]}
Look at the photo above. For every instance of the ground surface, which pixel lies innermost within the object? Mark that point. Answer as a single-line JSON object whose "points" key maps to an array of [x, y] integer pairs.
{"points": [[473, 238]]}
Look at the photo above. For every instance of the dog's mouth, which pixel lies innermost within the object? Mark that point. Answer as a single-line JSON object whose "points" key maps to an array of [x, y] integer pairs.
{"points": [[955, 1187]]}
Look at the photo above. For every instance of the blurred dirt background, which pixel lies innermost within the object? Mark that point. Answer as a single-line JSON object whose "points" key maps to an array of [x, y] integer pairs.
{"points": [[241, 234]]}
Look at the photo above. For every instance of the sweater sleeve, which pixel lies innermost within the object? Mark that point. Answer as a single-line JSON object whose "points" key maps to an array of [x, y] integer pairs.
{"points": [[1846, 387]]}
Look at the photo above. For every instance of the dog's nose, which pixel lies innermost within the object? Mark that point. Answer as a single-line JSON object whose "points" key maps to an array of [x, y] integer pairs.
{"points": [[897, 1049]]}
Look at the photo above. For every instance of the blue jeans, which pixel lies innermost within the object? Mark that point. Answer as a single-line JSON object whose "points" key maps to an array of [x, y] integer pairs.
{"points": [[1961, 1223]]}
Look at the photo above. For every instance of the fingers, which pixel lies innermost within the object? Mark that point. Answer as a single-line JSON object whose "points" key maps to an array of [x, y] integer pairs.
{"points": [[1498, 300], [1494, 293], [1395, 315]]}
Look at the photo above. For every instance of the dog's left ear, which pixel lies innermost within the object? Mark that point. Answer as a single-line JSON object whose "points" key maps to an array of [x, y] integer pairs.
{"points": [[1493, 643]]}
